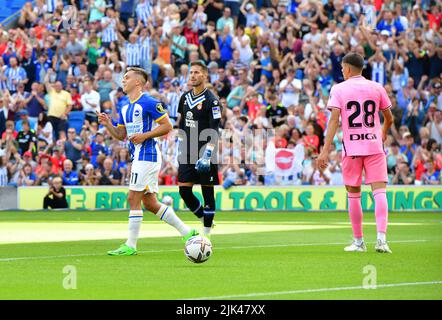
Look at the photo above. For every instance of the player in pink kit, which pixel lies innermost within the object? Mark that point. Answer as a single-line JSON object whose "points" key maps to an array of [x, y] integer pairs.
{"points": [[358, 102]]}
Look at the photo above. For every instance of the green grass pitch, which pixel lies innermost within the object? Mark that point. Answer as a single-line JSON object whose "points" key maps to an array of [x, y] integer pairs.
{"points": [[259, 255]]}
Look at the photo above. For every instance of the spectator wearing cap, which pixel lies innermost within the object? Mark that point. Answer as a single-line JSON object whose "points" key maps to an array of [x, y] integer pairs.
{"points": [[70, 177], [90, 101], [14, 75], [249, 11], [60, 104], [290, 89], [35, 103], [225, 20], [266, 65], [26, 139]]}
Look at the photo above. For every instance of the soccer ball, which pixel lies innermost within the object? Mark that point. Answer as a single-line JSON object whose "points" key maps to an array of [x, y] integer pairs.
{"points": [[198, 249], [167, 200]]}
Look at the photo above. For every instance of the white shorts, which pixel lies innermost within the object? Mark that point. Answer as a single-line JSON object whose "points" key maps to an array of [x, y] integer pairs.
{"points": [[144, 176]]}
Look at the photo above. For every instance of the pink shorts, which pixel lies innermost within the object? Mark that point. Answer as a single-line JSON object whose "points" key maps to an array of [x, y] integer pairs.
{"points": [[374, 166]]}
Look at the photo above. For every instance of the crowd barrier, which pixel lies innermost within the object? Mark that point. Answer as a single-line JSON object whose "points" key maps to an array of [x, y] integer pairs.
{"points": [[288, 198]]}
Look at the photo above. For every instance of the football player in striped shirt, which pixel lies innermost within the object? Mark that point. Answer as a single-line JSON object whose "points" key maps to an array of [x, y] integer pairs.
{"points": [[142, 120]]}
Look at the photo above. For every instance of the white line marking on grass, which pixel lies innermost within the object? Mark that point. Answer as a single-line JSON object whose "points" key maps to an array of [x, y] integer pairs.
{"points": [[177, 250], [266, 294]]}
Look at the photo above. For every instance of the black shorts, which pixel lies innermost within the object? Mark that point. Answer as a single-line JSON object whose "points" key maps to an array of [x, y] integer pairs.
{"points": [[188, 173]]}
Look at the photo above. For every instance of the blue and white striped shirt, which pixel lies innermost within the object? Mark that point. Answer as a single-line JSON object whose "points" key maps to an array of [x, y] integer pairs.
{"points": [[50, 5], [11, 74], [138, 117], [145, 11], [378, 72], [109, 33], [146, 49], [172, 107], [133, 54]]}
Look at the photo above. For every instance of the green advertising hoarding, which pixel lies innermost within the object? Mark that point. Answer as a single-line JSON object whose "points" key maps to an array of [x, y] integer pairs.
{"points": [[301, 198]]}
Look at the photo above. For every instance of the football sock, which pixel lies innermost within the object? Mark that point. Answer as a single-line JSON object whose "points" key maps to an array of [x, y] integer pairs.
{"points": [[355, 212], [191, 201], [381, 212], [168, 215], [135, 221], [209, 210]]}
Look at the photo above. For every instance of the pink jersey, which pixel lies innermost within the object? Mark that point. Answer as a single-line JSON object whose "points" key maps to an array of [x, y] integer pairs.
{"points": [[360, 101]]}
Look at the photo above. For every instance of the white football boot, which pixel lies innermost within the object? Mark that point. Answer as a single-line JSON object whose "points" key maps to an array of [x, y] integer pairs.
{"points": [[354, 247], [382, 247]]}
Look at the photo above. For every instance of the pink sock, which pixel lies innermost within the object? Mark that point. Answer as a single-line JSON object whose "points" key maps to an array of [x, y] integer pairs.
{"points": [[355, 212], [381, 209]]}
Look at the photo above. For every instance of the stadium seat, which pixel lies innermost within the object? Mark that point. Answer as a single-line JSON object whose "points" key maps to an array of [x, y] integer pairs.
{"points": [[76, 120]]}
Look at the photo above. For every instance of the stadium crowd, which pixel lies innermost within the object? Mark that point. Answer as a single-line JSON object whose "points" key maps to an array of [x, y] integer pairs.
{"points": [[272, 64]]}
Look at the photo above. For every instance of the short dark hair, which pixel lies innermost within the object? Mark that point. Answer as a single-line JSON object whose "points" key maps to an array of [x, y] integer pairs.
{"points": [[201, 64], [354, 59], [140, 72]]}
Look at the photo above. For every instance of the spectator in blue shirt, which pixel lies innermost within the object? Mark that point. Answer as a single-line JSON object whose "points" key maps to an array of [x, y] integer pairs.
{"points": [[431, 175], [409, 148], [225, 46], [98, 147], [389, 24], [42, 64], [70, 178]]}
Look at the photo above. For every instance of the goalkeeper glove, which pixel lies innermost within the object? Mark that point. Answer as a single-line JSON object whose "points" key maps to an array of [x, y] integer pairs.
{"points": [[203, 164]]}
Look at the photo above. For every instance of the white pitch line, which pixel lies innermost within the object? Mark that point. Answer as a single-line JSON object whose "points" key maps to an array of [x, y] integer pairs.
{"points": [[177, 250], [266, 294]]}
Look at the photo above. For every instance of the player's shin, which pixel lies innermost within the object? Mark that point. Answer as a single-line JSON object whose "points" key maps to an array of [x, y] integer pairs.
{"points": [[169, 216], [209, 210], [135, 221], [191, 201], [356, 215], [381, 212]]}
